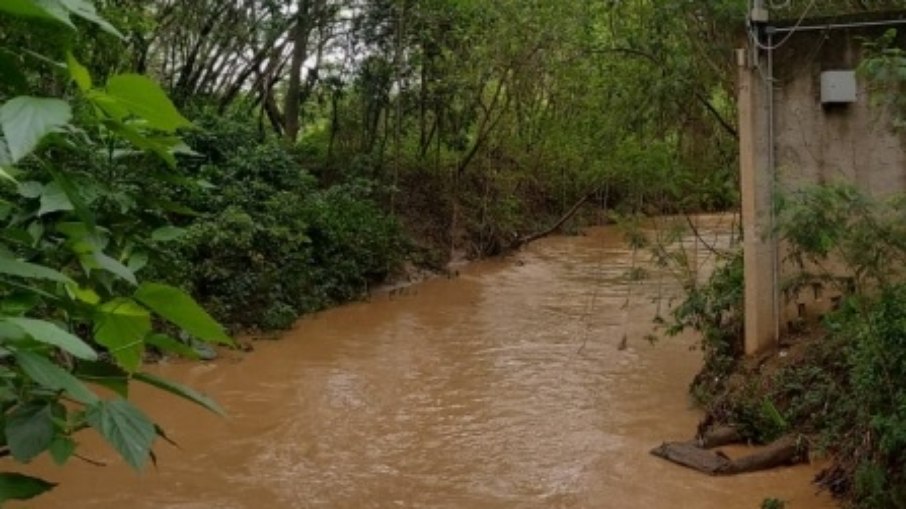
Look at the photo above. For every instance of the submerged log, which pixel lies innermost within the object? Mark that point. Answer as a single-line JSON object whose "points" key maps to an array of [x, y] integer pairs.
{"points": [[719, 437], [785, 451], [690, 455]]}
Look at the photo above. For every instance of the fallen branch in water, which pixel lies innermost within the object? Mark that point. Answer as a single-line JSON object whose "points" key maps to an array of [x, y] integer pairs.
{"points": [[557, 226], [783, 452]]}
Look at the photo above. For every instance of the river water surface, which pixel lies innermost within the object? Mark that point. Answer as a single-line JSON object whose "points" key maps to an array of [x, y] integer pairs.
{"points": [[506, 387]]}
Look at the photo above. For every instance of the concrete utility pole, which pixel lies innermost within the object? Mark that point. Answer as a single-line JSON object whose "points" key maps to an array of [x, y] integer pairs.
{"points": [[757, 184]]}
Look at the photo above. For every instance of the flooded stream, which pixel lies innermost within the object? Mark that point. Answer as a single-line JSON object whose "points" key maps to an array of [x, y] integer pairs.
{"points": [[506, 387]]}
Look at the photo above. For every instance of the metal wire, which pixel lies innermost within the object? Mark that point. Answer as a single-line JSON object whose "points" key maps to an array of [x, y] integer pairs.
{"points": [[837, 26], [791, 31]]}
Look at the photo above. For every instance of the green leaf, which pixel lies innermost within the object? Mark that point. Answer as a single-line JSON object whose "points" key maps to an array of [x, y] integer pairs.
{"points": [[179, 308], [30, 189], [138, 261], [181, 391], [54, 199], [121, 327], [75, 199], [166, 344], [11, 333], [46, 332], [79, 73], [86, 295], [49, 375], [113, 266], [168, 234], [106, 375], [86, 10], [32, 9], [145, 99], [29, 430], [21, 487], [17, 268], [61, 449], [26, 120], [126, 428]]}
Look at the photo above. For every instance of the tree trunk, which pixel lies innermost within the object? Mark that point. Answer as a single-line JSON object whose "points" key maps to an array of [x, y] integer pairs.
{"points": [[291, 106]]}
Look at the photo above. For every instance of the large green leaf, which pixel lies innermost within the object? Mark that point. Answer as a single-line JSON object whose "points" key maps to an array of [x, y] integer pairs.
{"points": [[126, 428], [99, 260], [48, 9], [86, 10], [122, 326], [54, 199], [29, 430], [46, 332], [49, 375], [180, 390], [21, 487], [58, 10], [12, 267], [61, 449], [144, 98], [25, 120], [178, 307]]}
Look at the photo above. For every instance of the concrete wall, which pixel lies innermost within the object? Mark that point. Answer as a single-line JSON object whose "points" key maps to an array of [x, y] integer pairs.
{"points": [[812, 144]]}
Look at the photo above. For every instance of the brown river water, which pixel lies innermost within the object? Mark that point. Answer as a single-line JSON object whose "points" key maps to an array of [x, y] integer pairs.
{"points": [[505, 387]]}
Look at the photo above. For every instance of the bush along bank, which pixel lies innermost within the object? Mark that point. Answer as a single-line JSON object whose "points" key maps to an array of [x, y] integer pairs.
{"points": [[839, 385], [261, 243]]}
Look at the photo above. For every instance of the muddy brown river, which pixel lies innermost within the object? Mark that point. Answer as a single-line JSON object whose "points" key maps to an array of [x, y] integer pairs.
{"points": [[505, 387]]}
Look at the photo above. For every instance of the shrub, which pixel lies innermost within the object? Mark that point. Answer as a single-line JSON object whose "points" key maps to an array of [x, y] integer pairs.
{"points": [[268, 245]]}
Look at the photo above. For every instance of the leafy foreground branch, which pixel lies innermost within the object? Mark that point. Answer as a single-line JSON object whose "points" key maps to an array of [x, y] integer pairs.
{"points": [[73, 313], [841, 387]]}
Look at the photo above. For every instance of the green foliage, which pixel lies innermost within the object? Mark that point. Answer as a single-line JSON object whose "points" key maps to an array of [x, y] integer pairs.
{"points": [[267, 244], [773, 503], [69, 311], [715, 310], [873, 328], [21, 487], [847, 389]]}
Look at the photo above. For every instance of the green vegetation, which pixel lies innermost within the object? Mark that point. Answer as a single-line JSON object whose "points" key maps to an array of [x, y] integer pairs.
{"points": [[840, 386], [843, 387], [773, 503], [73, 312], [269, 158]]}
